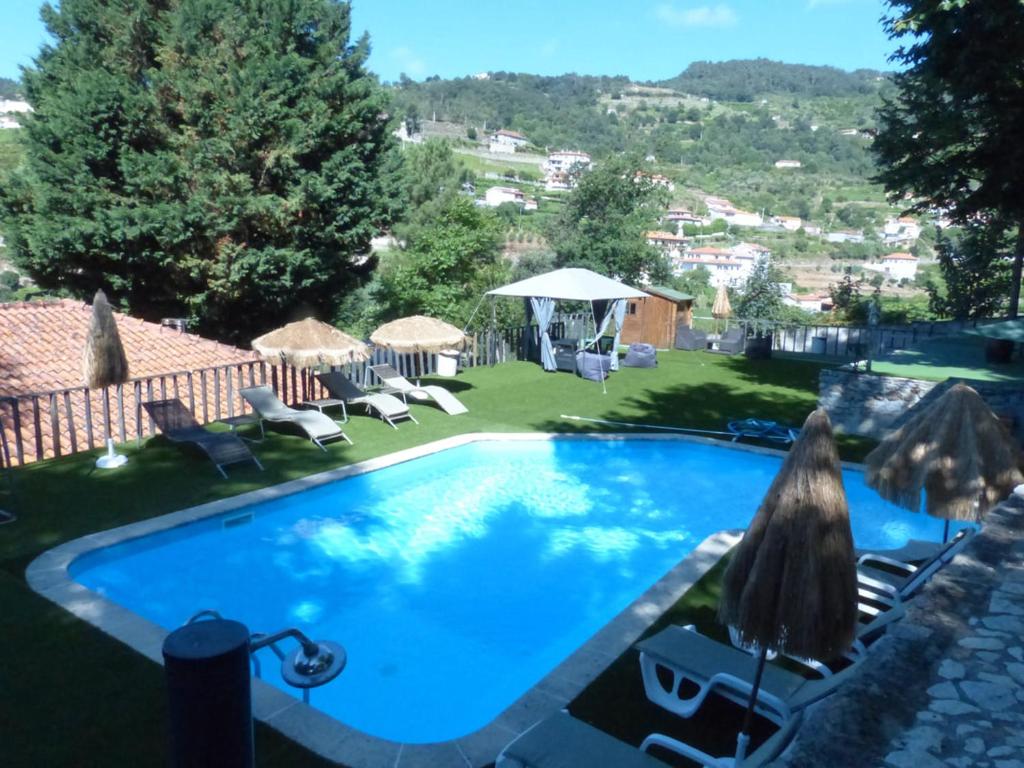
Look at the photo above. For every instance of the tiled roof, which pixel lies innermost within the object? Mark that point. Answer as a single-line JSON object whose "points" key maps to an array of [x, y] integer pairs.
{"points": [[41, 346], [657, 235], [708, 250], [900, 256]]}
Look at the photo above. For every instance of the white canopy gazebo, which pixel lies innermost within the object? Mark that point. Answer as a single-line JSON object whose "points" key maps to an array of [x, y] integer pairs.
{"points": [[607, 299]]}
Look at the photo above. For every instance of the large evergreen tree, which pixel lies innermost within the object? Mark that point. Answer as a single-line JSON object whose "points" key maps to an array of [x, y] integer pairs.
{"points": [[215, 158], [951, 137]]}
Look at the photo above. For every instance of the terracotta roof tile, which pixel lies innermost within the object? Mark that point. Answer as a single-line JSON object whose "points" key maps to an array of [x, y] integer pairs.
{"points": [[41, 345]]}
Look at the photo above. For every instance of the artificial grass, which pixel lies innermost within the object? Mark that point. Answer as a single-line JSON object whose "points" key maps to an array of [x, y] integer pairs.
{"points": [[110, 701]]}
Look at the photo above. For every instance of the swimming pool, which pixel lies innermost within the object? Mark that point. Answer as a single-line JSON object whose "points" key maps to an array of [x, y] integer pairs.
{"points": [[459, 580]]}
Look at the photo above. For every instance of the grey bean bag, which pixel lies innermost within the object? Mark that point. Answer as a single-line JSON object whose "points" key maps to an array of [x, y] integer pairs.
{"points": [[641, 356], [593, 366]]}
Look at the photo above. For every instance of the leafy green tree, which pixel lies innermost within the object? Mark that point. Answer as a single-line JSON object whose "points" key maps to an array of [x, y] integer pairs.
{"points": [[951, 135], [762, 295], [215, 158], [605, 220], [446, 269], [976, 273], [428, 177], [845, 295]]}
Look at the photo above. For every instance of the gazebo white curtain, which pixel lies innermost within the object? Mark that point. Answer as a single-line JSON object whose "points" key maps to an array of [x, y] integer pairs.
{"points": [[620, 317], [572, 284], [544, 311]]}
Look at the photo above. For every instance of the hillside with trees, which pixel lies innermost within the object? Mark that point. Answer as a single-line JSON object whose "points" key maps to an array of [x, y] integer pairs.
{"points": [[9, 89], [749, 79]]}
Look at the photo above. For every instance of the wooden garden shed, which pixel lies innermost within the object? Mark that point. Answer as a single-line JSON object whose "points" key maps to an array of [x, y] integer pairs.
{"points": [[653, 320]]}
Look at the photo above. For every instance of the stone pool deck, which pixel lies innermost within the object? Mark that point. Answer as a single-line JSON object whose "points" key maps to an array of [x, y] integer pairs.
{"points": [[945, 686]]}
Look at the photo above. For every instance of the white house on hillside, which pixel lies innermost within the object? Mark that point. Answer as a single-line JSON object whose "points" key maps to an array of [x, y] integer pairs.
{"points": [[561, 168], [789, 223], [723, 264], [672, 245], [720, 208], [901, 230], [809, 302], [897, 265], [506, 142], [496, 196], [787, 163]]}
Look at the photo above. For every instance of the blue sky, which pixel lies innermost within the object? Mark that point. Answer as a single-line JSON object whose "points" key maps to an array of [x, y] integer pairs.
{"points": [[644, 39]]}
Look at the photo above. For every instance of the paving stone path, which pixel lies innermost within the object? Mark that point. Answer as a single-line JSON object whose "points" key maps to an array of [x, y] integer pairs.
{"points": [[945, 687]]}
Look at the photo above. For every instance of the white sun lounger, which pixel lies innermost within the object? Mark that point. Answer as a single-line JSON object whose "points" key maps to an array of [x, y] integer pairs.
{"points": [[718, 668], [897, 579], [388, 407], [562, 741], [397, 383], [269, 407]]}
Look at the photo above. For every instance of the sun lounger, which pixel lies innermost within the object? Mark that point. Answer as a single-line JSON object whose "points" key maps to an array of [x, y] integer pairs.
{"points": [[178, 425], [718, 668], [269, 407], [342, 388], [897, 579], [763, 430], [397, 383], [562, 741]]}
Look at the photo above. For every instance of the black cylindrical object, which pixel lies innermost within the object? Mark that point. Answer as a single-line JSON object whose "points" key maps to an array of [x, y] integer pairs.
{"points": [[208, 686]]}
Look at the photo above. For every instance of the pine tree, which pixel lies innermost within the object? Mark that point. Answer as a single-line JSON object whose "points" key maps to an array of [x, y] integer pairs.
{"points": [[951, 137], [215, 158]]}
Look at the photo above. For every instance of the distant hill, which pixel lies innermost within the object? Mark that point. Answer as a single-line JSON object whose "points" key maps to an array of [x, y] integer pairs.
{"points": [[9, 89], [557, 111], [748, 79]]}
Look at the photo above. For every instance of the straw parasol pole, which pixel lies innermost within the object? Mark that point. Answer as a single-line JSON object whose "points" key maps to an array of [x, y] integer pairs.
{"points": [[791, 585], [418, 334], [955, 451], [310, 343], [721, 309], [104, 364]]}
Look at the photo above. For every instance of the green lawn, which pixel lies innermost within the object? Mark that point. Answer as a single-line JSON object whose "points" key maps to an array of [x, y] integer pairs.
{"points": [[945, 357], [109, 701]]}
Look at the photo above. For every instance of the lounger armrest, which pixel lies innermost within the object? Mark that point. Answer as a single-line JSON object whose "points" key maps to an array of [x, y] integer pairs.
{"points": [[768, 705], [685, 750], [888, 562], [881, 587]]}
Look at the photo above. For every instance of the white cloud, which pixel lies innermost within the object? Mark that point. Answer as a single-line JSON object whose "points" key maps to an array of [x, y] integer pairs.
{"points": [[408, 62], [701, 16]]}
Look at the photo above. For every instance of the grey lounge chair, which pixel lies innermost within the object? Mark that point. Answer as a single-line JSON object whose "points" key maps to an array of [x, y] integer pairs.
{"points": [[689, 339], [731, 343], [561, 741], [269, 407], [388, 407], [900, 580], [178, 425], [394, 382], [715, 667]]}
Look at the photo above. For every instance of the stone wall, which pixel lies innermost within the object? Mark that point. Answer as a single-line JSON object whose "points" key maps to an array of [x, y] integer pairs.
{"points": [[870, 405]]}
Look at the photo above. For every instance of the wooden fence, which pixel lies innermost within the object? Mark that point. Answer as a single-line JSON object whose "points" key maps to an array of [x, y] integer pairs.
{"points": [[61, 422]]}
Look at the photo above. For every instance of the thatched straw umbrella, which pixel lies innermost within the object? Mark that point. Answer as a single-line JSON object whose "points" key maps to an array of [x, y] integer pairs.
{"points": [[309, 343], [791, 586], [104, 364], [418, 334], [956, 451], [721, 309]]}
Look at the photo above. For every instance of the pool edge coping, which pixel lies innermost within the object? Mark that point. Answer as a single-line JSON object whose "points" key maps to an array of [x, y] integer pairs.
{"points": [[49, 576]]}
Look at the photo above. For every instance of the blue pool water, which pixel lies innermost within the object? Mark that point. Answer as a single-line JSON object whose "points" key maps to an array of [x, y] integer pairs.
{"points": [[457, 581]]}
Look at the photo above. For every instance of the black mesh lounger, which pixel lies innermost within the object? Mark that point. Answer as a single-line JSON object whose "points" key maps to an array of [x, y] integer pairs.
{"points": [[178, 425]]}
